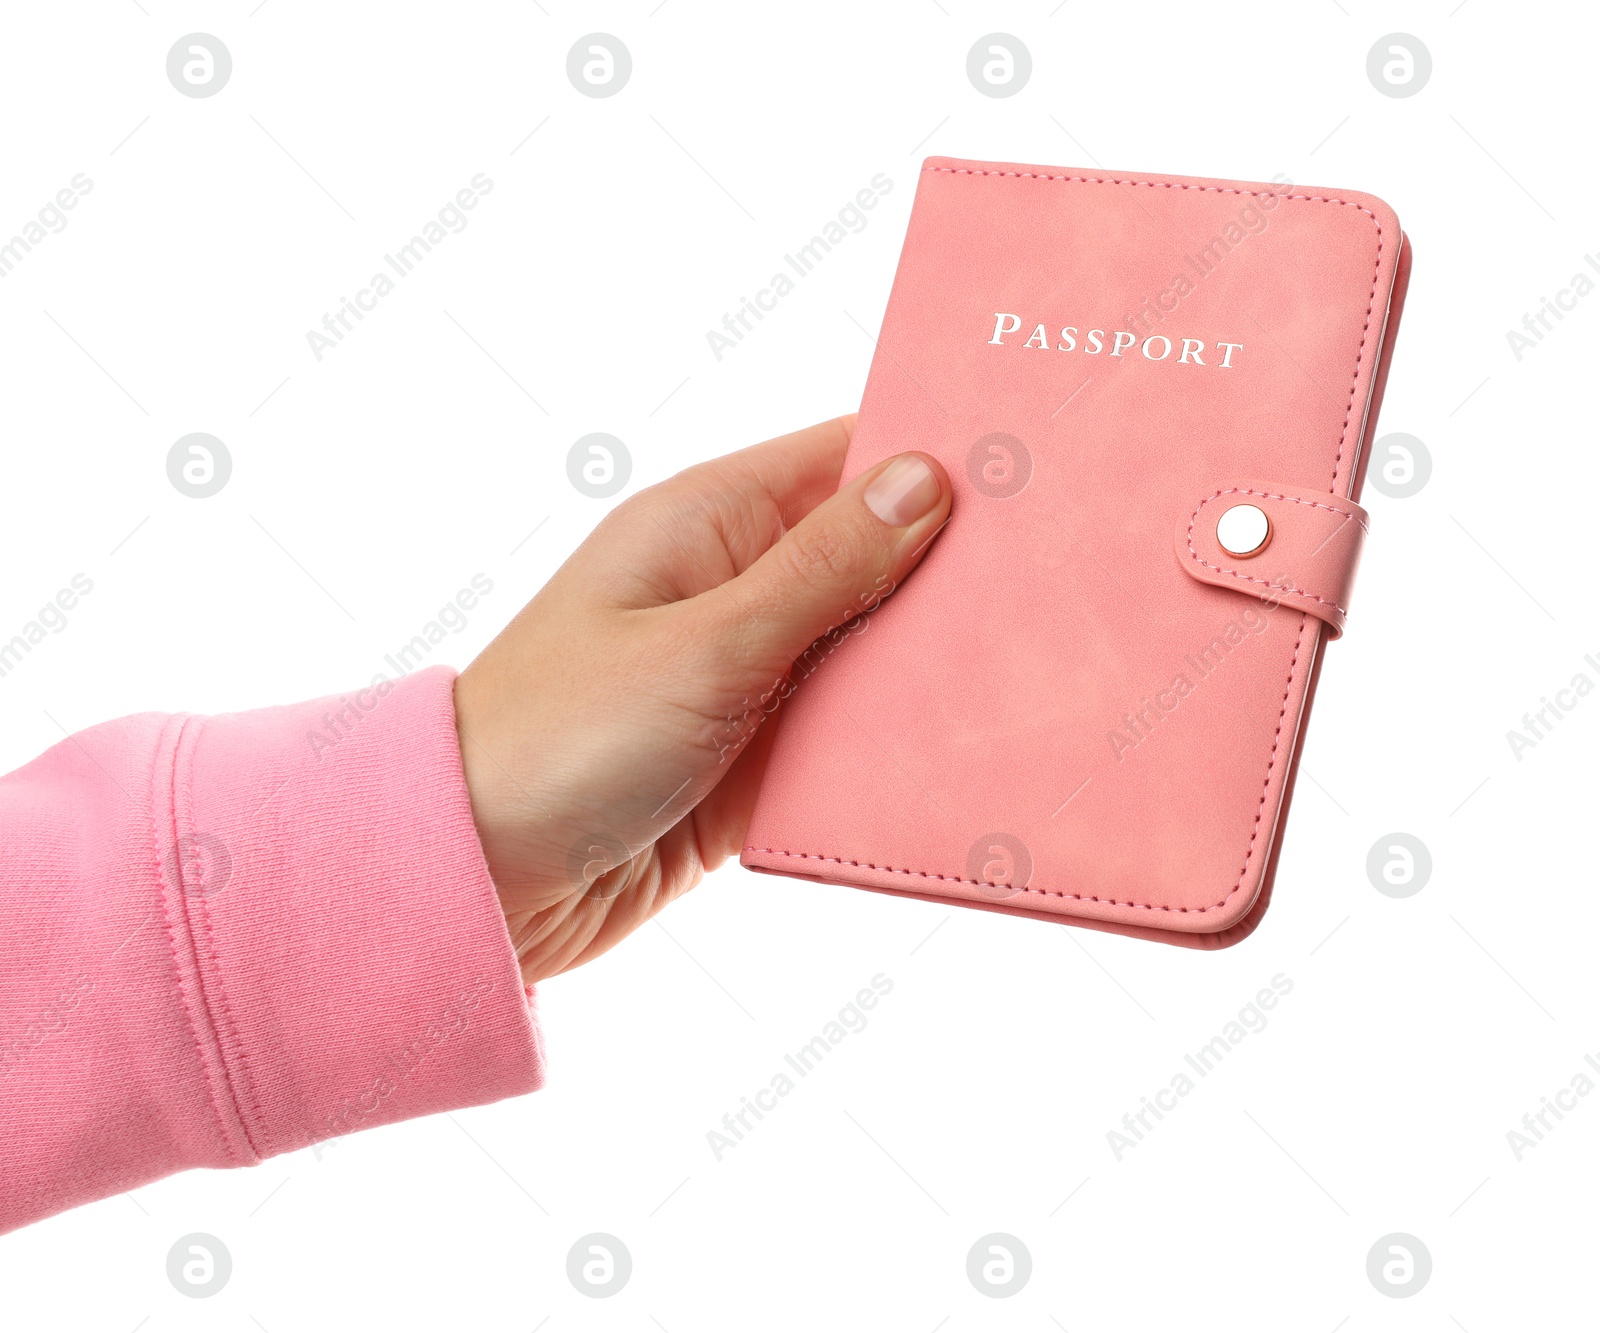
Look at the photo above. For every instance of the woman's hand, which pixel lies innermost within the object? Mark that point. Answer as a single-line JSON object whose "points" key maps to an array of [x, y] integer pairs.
{"points": [[612, 736]]}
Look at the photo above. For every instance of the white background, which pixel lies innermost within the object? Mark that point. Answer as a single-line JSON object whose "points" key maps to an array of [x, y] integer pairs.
{"points": [[369, 486]]}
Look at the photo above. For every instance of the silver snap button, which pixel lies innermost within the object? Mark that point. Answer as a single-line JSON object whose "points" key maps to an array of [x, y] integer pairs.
{"points": [[1243, 530]]}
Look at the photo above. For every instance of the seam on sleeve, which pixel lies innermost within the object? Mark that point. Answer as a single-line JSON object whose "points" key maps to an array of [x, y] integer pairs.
{"points": [[231, 1047], [168, 863]]}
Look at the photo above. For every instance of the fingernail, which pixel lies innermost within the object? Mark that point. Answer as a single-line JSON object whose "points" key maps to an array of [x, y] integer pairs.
{"points": [[903, 492]]}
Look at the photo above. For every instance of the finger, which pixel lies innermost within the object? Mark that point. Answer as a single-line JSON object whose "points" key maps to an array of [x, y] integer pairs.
{"points": [[710, 522], [793, 473], [840, 560]]}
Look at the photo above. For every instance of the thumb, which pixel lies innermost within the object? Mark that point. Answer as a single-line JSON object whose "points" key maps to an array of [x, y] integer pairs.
{"points": [[843, 558]]}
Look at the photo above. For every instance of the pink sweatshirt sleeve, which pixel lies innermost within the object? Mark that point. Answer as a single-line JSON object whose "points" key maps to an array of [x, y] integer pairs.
{"points": [[225, 938]]}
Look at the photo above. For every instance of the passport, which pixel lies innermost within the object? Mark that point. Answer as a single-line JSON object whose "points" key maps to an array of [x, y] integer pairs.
{"points": [[1154, 396]]}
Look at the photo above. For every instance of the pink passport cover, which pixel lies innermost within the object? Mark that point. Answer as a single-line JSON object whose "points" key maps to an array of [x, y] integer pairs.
{"points": [[1081, 707]]}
